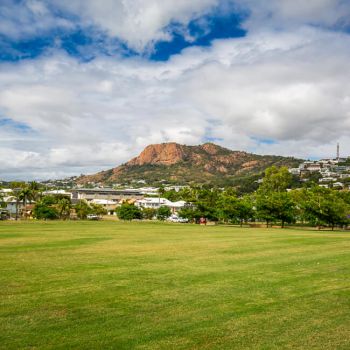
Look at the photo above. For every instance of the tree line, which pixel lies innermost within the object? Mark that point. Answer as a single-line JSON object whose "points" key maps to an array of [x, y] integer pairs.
{"points": [[48, 207], [273, 203]]}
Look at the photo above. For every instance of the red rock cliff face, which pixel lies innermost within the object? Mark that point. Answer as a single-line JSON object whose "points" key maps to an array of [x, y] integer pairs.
{"points": [[161, 154], [210, 148], [202, 162]]}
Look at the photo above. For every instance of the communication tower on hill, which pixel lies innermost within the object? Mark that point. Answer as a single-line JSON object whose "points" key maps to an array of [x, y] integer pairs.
{"points": [[338, 151]]}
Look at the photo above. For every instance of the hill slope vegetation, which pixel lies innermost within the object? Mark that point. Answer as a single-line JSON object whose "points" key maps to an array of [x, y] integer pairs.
{"points": [[182, 164]]}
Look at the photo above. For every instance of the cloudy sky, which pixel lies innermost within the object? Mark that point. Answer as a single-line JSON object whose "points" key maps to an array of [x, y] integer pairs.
{"points": [[86, 84]]}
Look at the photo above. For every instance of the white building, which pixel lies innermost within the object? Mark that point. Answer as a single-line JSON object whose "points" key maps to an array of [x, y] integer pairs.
{"points": [[294, 171], [11, 203], [325, 186], [327, 179], [156, 203], [6, 191], [150, 191], [338, 185], [58, 192], [107, 204]]}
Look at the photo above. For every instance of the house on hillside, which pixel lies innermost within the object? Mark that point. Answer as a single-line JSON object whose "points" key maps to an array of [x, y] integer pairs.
{"points": [[58, 193], [6, 191]]}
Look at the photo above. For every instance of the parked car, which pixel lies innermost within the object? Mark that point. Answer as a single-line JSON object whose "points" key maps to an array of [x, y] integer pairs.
{"points": [[175, 218], [92, 217], [4, 215]]}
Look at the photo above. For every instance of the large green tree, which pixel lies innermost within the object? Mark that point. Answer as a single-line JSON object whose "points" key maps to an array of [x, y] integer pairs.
{"points": [[129, 212], [98, 209], [64, 206], [273, 202], [163, 212], [149, 213], [276, 180], [43, 211], [227, 207], [325, 206], [245, 209], [82, 209]]}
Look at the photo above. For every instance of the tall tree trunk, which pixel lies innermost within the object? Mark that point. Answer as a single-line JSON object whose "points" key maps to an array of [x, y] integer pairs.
{"points": [[25, 206], [16, 209]]}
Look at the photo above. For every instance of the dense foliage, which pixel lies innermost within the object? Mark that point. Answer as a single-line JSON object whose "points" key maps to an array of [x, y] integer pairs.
{"points": [[129, 212], [148, 213], [271, 203], [163, 213]]}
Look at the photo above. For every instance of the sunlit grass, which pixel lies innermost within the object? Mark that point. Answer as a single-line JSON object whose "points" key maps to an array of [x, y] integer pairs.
{"points": [[112, 285]]}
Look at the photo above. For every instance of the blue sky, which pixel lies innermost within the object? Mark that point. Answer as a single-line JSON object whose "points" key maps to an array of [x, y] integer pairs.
{"points": [[86, 43], [86, 85]]}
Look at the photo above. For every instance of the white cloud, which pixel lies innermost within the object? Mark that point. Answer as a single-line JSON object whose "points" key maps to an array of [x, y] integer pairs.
{"points": [[291, 13], [290, 87], [29, 18], [139, 23]]}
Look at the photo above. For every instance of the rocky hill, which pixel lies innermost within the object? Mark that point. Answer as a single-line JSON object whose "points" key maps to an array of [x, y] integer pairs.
{"points": [[181, 164]]}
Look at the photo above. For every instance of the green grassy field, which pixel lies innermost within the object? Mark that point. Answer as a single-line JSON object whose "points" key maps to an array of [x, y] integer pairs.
{"points": [[110, 285]]}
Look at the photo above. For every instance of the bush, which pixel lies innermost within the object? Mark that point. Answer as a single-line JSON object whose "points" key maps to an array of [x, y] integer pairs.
{"points": [[44, 212], [163, 213], [129, 212], [189, 213], [82, 209], [149, 213]]}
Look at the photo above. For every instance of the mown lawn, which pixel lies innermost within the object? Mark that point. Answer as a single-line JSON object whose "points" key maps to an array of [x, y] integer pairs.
{"points": [[110, 285]]}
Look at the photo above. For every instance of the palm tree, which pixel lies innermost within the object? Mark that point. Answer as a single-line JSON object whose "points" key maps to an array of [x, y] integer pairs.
{"points": [[27, 193], [82, 209], [35, 190], [161, 192], [1, 200], [17, 196], [64, 206]]}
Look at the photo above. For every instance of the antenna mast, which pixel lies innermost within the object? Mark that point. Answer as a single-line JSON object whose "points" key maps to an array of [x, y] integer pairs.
{"points": [[338, 151]]}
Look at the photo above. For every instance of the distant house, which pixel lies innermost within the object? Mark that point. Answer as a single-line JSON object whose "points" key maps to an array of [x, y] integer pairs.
{"points": [[338, 185], [58, 193], [11, 203], [156, 203], [109, 205], [150, 191], [89, 194], [314, 167], [6, 191], [294, 171], [327, 179], [325, 186]]}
